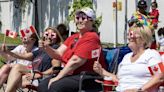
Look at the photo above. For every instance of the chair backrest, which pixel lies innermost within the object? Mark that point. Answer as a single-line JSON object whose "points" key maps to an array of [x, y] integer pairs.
{"points": [[114, 56]]}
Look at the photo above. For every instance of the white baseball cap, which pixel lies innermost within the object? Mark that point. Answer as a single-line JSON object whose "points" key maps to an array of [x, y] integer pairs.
{"points": [[88, 11]]}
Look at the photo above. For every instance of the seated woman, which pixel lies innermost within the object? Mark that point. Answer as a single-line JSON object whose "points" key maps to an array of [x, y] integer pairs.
{"points": [[44, 62], [28, 44], [133, 74], [78, 53]]}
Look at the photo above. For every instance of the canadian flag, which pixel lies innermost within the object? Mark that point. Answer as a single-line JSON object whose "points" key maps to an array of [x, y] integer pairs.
{"points": [[11, 34], [28, 32], [156, 69], [95, 53]]}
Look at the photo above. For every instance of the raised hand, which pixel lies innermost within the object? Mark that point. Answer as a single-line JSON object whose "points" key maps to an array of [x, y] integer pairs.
{"points": [[97, 67]]}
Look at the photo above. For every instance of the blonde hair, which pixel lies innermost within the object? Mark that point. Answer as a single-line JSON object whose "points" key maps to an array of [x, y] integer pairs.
{"points": [[145, 33]]}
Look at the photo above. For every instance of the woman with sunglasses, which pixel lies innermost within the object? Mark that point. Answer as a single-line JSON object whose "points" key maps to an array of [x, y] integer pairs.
{"points": [[78, 54], [29, 44], [41, 62], [133, 74]]}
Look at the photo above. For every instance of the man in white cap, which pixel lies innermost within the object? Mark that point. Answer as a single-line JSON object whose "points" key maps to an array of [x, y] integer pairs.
{"points": [[78, 54]]}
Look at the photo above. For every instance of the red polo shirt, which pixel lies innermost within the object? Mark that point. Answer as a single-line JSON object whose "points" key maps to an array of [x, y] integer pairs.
{"points": [[88, 47]]}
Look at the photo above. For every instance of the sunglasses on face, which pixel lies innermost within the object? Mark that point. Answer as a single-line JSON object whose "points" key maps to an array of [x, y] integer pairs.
{"points": [[49, 35], [25, 38], [133, 35], [83, 17]]}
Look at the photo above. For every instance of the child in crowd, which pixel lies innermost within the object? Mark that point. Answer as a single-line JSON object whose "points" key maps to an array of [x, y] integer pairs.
{"points": [[160, 42], [154, 14]]}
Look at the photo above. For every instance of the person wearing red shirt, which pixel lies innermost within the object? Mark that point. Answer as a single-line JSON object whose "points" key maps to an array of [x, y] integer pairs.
{"points": [[78, 54], [154, 14]]}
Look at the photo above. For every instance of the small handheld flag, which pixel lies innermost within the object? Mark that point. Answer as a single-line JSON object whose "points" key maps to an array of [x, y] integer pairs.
{"points": [[156, 69], [11, 34], [28, 32]]}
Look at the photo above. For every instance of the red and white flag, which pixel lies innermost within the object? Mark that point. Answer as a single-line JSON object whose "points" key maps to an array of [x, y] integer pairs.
{"points": [[11, 34], [156, 69], [95, 53], [28, 32]]}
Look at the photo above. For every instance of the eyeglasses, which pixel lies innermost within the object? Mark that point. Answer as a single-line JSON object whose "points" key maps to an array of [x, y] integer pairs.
{"points": [[26, 38], [133, 35], [83, 17], [49, 35]]}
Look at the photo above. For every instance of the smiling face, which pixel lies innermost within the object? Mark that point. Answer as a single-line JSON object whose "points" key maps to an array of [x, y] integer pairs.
{"points": [[50, 36], [139, 37], [135, 39], [30, 40], [83, 22]]}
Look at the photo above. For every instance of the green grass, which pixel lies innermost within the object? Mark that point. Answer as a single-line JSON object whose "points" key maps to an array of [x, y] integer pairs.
{"points": [[9, 40], [1, 61]]}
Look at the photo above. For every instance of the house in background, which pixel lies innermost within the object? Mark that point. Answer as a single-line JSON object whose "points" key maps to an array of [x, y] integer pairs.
{"points": [[53, 12]]}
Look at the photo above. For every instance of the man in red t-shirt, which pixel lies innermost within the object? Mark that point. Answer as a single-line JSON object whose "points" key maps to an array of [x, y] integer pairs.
{"points": [[78, 54]]}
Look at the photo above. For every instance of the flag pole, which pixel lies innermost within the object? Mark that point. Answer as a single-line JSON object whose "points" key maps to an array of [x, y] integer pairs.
{"points": [[99, 54], [4, 39]]}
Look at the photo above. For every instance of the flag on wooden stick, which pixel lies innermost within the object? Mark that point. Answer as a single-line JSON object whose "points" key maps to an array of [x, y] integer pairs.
{"points": [[28, 32], [11, 34]]}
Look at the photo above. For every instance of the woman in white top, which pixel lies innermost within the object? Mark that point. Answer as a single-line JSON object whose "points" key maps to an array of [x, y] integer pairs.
{"points": [[133, 74], [29, 44]]}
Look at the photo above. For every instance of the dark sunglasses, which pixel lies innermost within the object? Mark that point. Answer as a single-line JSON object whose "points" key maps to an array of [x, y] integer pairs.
{"points": [[82, 16], [50, 35]]}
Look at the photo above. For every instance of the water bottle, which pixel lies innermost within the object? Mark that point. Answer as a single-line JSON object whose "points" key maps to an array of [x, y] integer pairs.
{"points": [[161, 89]]}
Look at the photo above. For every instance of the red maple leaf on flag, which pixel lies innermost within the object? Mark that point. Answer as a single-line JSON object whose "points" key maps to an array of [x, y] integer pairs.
{"points": [[95, 53], [27, 31], [155, 68], [11, 34]]}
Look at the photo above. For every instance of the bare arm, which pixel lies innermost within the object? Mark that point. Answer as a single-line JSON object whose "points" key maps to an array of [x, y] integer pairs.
{"points": [[55, 53], [55, 63], [72, 65], [26, 56], [101, 71], [156, 80]]}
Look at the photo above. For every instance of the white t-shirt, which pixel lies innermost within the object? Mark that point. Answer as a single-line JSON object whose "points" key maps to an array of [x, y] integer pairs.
{"points": [[136, 74], [20, 49]]}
